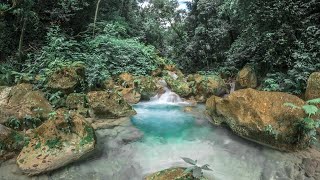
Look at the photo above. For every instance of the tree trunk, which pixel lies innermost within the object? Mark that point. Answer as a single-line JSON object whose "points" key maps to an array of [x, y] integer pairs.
{"points": [[21, 39], [95, 17]]}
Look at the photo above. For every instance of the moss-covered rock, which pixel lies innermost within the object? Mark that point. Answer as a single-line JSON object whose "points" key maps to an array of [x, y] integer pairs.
{"points": [[179, 86], [109, 84], [246, 78], [130, 95], [261, 117], [59, 141], [146, 86], [126, 80], [66, 79], [76, 101], [313, 87], [109, 104], [171, 174], [205, 86], [20, 101], [11, 142]]}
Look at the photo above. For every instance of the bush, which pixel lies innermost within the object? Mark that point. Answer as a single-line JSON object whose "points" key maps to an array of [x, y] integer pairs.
{"points": [[105, 55]]}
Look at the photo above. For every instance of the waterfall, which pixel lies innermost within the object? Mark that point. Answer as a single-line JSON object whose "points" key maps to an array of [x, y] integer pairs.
{"points": [[166, 96]]}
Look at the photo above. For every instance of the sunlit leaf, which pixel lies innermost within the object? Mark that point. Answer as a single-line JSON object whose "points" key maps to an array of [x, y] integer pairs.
{"points": [[188, 160], [310, 109]]}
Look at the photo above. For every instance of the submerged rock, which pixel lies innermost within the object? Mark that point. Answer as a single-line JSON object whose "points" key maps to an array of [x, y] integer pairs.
{"points": [[260, 116], [246, 78], [56, 143], [313, 87], [20, 101], [109, 105]]}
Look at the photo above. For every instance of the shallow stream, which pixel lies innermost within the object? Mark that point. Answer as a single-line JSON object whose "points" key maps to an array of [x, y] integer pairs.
{"points": [[158, 136]]}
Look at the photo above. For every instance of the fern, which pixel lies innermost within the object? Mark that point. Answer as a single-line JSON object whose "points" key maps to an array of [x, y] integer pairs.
{"points": [[292, 105], [314, 101], [310, 109]]}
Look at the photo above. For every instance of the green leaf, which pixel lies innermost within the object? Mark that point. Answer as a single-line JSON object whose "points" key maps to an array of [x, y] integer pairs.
{"points": [[310, 109], [309, 123], [188, 160], [291, 105], [197, 172], [314, 101], [206, 167], [189, 169]]}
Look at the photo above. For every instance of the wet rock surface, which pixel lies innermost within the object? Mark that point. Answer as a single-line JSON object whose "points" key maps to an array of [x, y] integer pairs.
{"points": [[109, 105], [260, 116], [313, 86], [20, 101], [56, 143]]}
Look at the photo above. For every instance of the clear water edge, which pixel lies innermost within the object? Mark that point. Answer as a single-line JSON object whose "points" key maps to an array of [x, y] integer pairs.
{"points": [[169, 133]]}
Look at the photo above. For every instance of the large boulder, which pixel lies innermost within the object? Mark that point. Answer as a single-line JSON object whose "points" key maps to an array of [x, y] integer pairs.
{"points": [[10, 142], [260, 116], [109, 104], [176, 173], [179, 86], [76, 101], [126, 80], [130, 95], [146, 86], [246, 78], [59, 141], [66, 79], [21, 101], [205, 86], [313, 87]]}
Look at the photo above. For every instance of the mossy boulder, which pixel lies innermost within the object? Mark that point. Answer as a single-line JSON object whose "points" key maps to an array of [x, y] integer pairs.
{"points": [[21, 101], [313, 86], [76, 101], [109, 104], [130, 95], [146, 86], [261, 117], [246, 78], [11, 142], [179, 86], [204, 87], [126, 80], [66, 79], [171, 174], [59, 141], [109, 84]]}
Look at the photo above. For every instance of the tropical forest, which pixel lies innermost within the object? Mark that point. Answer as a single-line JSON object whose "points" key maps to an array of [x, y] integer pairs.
{"points": [[160, 89]]}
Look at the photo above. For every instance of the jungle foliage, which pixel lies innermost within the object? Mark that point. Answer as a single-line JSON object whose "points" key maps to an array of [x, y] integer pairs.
{"points": [[281, 39]]}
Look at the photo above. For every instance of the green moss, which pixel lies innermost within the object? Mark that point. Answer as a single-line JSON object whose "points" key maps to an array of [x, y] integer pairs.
{"points": [[53, 143], [89, 137], [38, 145], [2, 145], [18, 138]]}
